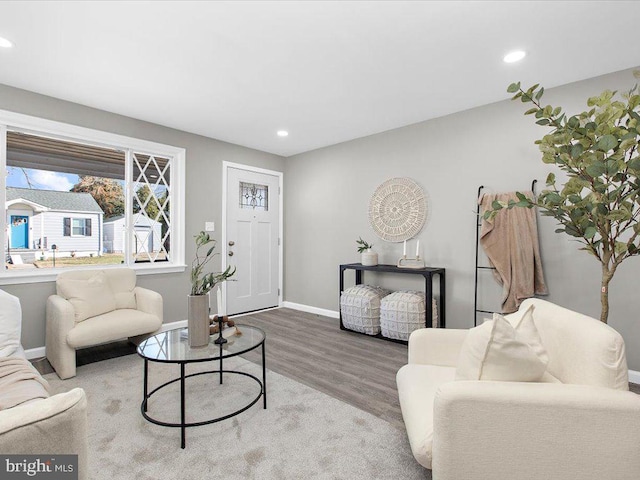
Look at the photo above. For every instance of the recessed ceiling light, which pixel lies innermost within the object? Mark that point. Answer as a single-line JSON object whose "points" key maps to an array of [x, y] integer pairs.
{"points": [[514, 56], [4, 43], [283, 133]]}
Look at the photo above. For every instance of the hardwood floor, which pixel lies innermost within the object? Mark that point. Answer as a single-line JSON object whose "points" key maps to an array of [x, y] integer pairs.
{"points": [[312, 350], [353, 368]]}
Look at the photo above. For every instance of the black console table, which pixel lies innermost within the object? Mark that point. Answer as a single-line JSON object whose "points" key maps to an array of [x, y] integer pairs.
{"points": [[427, 273]]}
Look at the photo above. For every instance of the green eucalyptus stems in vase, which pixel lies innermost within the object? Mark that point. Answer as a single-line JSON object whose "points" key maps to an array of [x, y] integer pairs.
{"points": [[201, 284], [599, 203], [368, 256], [363, 246]]}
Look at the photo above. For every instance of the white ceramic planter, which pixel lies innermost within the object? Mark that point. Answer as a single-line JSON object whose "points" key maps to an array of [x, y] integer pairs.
{"points": [[369, 258]]}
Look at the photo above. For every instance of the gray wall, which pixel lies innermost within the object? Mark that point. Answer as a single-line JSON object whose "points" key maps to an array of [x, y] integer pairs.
{"points": [[327, 193], [203, 199]]}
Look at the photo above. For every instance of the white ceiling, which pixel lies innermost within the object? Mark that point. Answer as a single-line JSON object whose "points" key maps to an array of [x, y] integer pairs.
{"points": [[325, 71]]}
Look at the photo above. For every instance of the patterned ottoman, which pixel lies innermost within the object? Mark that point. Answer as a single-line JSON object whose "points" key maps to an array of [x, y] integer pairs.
{"points": [[403, 312], [360, 308]]}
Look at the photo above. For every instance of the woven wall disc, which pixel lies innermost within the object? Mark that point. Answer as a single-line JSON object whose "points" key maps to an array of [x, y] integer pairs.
{"points": [[398, 210]]}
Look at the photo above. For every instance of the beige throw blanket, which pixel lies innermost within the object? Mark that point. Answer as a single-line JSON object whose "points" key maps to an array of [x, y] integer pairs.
{"points": [[510, 240], [20, 382]]}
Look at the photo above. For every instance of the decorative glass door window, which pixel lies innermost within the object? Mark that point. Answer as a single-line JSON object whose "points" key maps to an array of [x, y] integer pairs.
{"points": [[254, 196]]}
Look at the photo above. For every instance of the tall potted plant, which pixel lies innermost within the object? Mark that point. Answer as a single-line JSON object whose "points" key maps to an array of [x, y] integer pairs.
{"points": [[201, 284], [597, 149]]}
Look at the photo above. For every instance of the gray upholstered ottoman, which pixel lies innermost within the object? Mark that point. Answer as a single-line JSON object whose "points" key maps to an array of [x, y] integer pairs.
{"points": [[403, 312], [360, 308]]}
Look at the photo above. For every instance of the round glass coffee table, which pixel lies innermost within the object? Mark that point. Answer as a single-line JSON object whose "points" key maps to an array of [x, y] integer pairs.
{"points": [[172, 346]]}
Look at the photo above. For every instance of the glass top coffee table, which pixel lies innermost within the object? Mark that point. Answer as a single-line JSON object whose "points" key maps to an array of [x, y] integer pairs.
{"points": [[172, 346]]}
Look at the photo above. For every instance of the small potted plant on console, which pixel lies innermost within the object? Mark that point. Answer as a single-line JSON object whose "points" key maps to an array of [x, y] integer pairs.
{"points": [[368, 256]]}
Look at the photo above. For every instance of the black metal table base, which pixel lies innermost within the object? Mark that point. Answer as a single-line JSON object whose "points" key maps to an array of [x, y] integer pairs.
{"points": [[183, 425], [427, 272]]}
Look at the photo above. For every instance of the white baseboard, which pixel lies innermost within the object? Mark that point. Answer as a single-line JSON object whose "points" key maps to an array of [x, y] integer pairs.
{"points": [[238, 315], [34, 353], [309, 309], [634, 377], [172, 325]]}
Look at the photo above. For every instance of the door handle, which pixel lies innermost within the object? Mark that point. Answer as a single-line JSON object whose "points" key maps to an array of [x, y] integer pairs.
{"points": [[230, 254], [231, 243]]}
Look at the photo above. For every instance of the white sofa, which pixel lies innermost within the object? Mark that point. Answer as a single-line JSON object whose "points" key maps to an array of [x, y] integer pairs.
{"points": [[93, 307], [38, 424], [584, 424]]}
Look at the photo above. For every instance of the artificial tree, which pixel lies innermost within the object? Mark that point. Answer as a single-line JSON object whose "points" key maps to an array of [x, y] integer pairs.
{"points": [[599, 203]]}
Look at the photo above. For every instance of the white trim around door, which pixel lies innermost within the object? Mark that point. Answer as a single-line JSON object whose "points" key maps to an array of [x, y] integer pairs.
{"points": [[280, 175]]}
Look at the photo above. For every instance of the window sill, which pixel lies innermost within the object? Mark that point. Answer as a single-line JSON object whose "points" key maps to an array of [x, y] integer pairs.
{"points": [[16, 277]]}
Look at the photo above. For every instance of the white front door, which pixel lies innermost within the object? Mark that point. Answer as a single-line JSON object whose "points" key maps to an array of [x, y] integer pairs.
{"points": [[252, 245]]}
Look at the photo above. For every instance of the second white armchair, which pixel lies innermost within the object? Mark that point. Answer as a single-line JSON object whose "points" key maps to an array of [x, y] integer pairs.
{"points": [[578, 421]]}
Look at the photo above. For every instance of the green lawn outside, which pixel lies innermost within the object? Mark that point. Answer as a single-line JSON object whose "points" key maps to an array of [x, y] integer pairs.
{"points": [[106, 259]]}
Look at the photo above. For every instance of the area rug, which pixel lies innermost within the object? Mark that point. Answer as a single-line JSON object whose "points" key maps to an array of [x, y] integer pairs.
{"points": [[303, 433]]}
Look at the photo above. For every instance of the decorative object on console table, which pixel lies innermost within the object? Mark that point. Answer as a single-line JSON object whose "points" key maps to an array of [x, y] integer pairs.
{"points": [[201, 284], [368, 256], [410, 262], [407, 262]]}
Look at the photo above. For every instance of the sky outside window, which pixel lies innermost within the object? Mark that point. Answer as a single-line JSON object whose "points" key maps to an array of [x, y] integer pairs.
{"points": [[40, 179]]}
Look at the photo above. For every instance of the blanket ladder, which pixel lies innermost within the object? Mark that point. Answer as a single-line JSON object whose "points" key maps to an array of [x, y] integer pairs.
{"points": [[477, 310]]}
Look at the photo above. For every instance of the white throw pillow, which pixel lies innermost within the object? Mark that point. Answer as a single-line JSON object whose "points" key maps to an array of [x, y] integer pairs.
{"points": [[10, 324], [527, 331], [122, 282], [89, 298], [497, 351]]}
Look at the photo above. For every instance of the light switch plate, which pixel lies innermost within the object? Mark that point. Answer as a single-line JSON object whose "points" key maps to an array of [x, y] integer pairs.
{"points": [[210, 226]]}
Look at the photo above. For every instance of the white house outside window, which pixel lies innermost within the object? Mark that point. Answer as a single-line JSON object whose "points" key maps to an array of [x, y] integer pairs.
{"points": [[101, 199]]}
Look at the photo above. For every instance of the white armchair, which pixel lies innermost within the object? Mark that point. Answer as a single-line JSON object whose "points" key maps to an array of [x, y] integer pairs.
{"points": [[579, 422], [92, 307]]}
